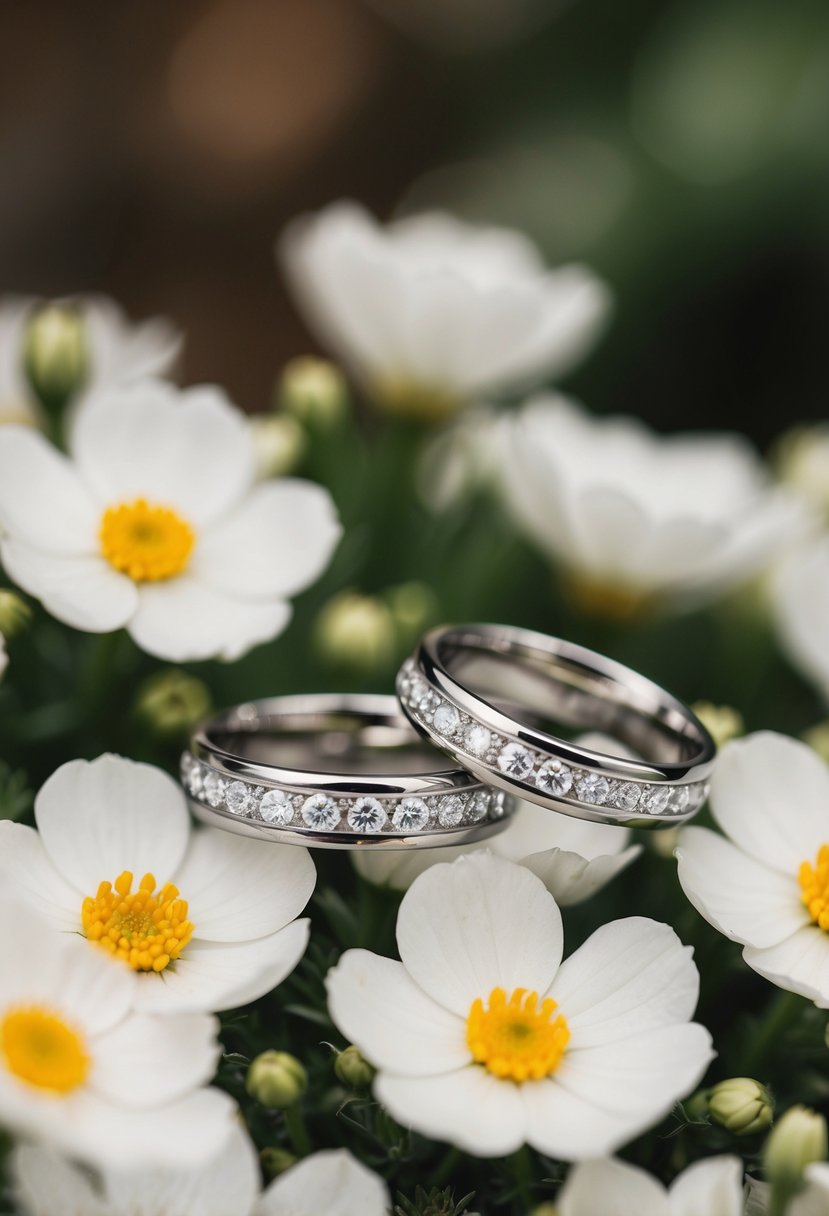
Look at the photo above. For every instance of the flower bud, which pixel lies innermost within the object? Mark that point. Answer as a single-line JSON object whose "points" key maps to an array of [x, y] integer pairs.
{"points": [[55, 353], [413, 606], [721, 721], [279, 443], [741, 1105], [314, 391], [172, 702], [276, 1079], [798, 1140], [545, 1209], [15, 614], [276, 1161], [802, 460], [353, 1069], [356, 632]]}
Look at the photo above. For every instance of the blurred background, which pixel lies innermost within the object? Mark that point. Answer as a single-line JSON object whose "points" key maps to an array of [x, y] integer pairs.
{"points": [[153, 151]]}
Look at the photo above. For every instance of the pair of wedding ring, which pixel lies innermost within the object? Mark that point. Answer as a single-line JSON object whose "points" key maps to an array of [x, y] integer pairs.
{"points": [[504, 704]]}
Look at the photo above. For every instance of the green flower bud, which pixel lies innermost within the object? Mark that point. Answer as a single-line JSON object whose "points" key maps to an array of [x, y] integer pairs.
{"points": [[413, 605], [545, 1209], [276, 1161], [356, 632], [741, 1105], [55, 353], [15, 614], [721, 721], [172, 702], [279, 443], [353, 1069], [276, 1079], [798, 1140], [314, 391]]}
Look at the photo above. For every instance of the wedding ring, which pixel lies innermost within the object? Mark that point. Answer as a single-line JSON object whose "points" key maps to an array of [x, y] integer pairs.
{"points": [[496, 698], [334, 772]]}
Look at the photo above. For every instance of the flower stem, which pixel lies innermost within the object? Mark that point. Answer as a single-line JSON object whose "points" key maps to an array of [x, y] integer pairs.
{"points": [[782, 1012], [297, 1131]]}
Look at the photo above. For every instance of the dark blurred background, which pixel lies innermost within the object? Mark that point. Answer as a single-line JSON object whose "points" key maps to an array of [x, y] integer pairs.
{"points": [[153, 151]]}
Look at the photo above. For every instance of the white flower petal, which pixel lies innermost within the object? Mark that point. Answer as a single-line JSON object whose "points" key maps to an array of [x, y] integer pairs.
{"points": [[25, 866], [45, 1183], [770, 794], [613, 1188], [184, 621], [469, 1108], [801, 600], [478, 924], [743, 898], [563, 1125], [379, 1008], [219, 975], [277, 542], [147, 1061], [41, 967], [238, 889], [60, 519], [570, 879], [84, 592], [533, 829], [629, 976], [330, 1182], [714, 1187], [800, 963], [190, 450], [99, 818], [639, 1077], [399, 869]]}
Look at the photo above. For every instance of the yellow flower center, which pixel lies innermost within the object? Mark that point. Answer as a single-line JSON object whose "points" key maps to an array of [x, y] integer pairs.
{"points": [[814, 885], [146, 928], [517, 1039], [147, 542], [39, 1047]]}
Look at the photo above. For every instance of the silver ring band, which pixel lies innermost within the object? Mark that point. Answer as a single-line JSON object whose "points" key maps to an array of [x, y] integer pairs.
{"points": [[334, 772], [487, 695]]}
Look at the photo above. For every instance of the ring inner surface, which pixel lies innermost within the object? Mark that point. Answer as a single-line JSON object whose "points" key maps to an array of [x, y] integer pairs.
{"points": [[561, 696], [331, 744]]}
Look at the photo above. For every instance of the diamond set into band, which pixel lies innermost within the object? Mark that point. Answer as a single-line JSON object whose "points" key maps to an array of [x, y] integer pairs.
{"points": [[355, 816], [502, 754]]}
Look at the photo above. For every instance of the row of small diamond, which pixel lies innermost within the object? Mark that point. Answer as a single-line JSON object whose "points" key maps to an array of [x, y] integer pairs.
{"points": [[523, 763], [322, 813]]}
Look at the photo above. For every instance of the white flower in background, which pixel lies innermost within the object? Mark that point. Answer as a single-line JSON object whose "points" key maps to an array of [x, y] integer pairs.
{"points": [[803, 463], [429, 312], [484, 1038], [801, 605], [4, 658], [765, 883], [707, 1188], [156, 524], [117, 351], [80, 1072], [574, 858], [637, 519], [194, 919], [330, 1182], [813, 1200]]}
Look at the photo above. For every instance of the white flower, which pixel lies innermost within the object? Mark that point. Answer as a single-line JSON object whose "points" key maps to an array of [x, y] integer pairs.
{"points": [[801, 602], [118, 351], [106, 825], [330, 1182], [638, 519], [813, 1200], [156, 524], [766, 883], [484, 1038], [430, 311], [82, 1073], [707, 1188], [803, 463]]}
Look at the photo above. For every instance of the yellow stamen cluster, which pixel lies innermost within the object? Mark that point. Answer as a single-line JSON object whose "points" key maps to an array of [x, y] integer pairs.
{"points": [[814, 884], [147, 542], [517, 1039], [39, 1047], [146, 928]]}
